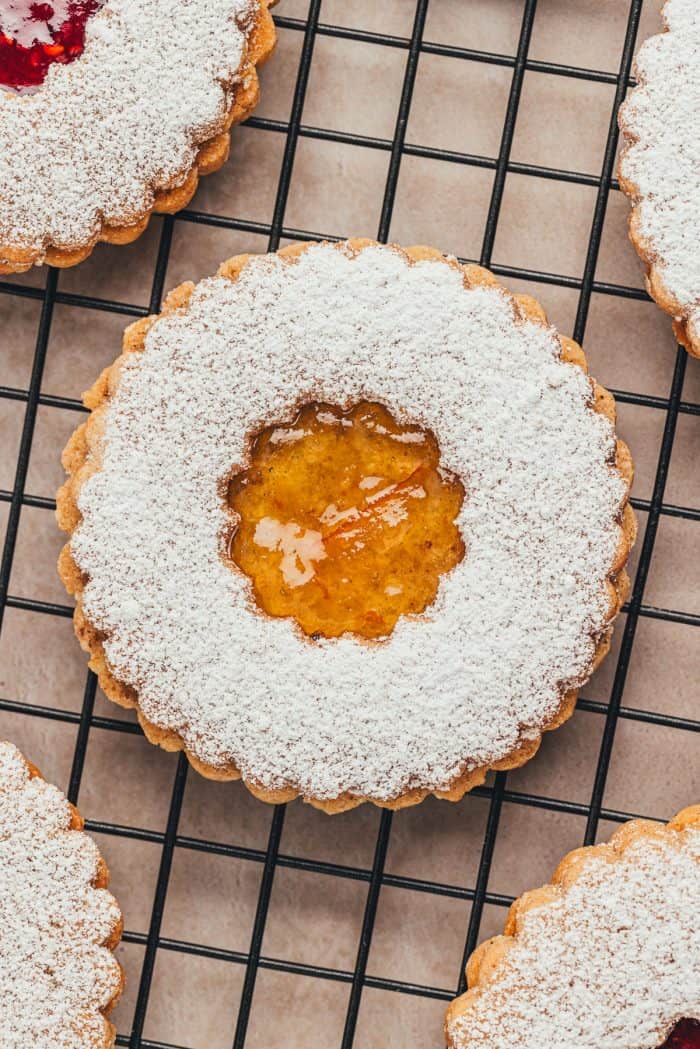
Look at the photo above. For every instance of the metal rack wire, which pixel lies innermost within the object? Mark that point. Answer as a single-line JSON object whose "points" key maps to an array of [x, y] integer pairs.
{"points": [[271, 858]]}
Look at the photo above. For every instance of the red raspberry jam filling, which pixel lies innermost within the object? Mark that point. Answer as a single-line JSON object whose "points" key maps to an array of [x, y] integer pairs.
{"points": [[685, 1035], [34, 35]]}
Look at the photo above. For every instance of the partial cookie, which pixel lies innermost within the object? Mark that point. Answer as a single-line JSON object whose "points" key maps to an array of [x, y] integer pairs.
{"points": [[111, 111], [58, 924], [660, 166], [606, 957], [348, 521]]}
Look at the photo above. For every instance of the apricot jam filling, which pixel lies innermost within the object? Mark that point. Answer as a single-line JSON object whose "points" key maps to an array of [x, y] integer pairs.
{"points": [[35, 35], [346, 521]]}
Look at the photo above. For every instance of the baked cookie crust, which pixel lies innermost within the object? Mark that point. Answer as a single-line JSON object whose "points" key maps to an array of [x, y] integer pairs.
{"points": [[213, 145], [657, 168], [82, 459], [505, 975], [52, 817]]}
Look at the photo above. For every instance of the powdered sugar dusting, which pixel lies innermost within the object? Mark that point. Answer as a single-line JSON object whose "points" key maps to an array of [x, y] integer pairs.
{"points": [[613, 963], [661, 120], [54, 975], [450, 690], [25, 31], [105, 132]]}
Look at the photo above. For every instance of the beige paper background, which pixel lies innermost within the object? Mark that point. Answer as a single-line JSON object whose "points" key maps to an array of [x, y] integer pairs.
{"points": [[336, 189]]}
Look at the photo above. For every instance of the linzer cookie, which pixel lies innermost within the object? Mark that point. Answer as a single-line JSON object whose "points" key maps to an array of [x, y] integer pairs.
{"points": [[347, 521], [112, 110], [606, 957], [660, 166], [58, 924]]}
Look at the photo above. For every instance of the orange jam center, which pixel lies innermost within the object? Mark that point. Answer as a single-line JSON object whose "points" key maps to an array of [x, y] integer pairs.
{"points": [[346, 520]]}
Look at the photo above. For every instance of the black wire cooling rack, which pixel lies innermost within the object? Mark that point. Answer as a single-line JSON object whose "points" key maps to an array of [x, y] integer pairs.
{"points": [[271, 858]]}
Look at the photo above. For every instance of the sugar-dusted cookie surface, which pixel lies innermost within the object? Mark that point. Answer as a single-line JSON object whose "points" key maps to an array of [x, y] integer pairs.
{"points": [[515, 627], [127, 127], [660, 166], [606, 957], [58, 977]]}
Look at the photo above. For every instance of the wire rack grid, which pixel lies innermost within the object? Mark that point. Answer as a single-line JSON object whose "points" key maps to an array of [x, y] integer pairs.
{"points": [[271, 858]]}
